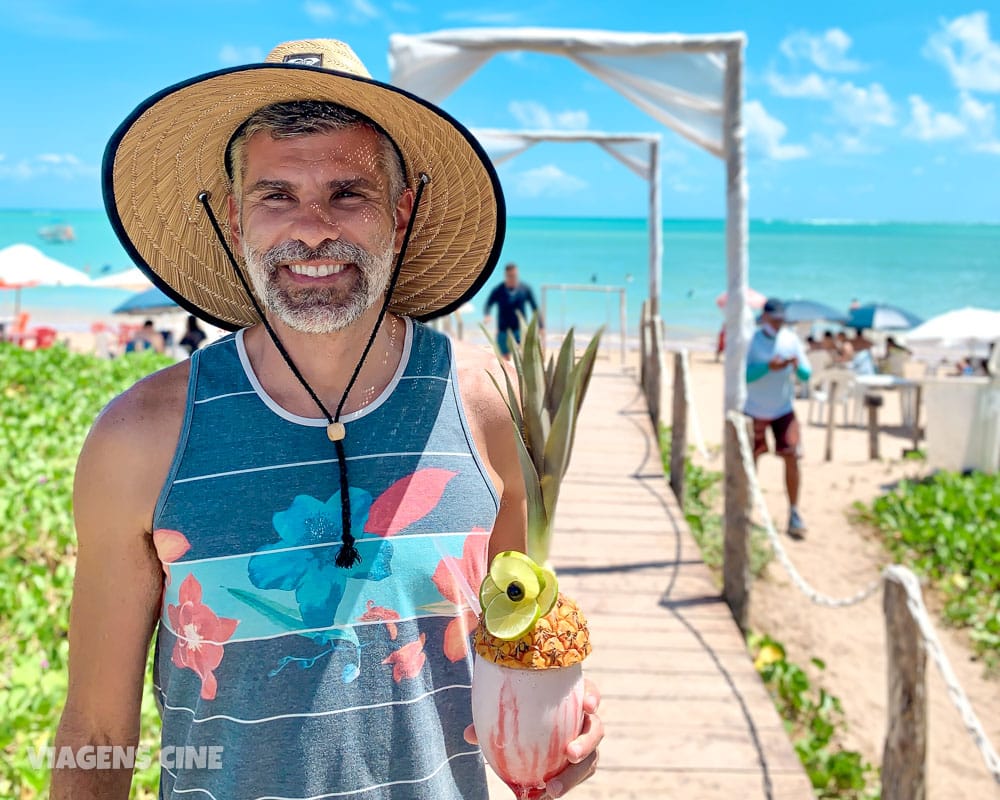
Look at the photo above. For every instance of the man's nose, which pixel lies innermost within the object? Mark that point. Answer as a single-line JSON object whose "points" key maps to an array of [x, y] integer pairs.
{"points": [[315, 225]]}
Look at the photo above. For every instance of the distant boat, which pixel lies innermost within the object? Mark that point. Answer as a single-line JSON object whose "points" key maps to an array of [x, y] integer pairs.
{"points": [[57, 233]]}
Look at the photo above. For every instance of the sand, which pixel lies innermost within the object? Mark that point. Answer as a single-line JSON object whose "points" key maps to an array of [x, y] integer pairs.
{"points": [[839, 558]]}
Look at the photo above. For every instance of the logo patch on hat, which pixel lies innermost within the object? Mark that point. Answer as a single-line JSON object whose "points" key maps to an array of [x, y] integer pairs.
{"points": [[307, 59]]}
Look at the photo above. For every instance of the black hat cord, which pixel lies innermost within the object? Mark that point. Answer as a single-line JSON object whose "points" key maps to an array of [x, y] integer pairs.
{"points": [[348, 554]]}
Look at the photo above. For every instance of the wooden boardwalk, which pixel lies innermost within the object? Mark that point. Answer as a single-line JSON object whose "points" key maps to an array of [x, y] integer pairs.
{"points": [[686, 715]]}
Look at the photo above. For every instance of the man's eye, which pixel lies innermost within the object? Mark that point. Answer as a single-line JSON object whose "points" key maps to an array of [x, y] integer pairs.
{"points": [[276, 196]]}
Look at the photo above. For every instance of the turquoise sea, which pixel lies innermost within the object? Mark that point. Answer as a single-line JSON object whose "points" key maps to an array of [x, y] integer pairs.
{"points": [[925, 268]]}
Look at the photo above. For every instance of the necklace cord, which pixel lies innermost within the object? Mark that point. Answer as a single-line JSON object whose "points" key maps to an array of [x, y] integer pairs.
{"points": [[348, 554]]}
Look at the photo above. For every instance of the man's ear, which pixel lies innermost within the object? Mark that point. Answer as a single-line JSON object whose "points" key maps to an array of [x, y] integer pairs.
{"points": [[234, 221], [401, 214]]}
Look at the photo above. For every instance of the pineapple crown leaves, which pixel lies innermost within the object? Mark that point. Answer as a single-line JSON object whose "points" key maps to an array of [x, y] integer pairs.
{"points": [[544, 410]]}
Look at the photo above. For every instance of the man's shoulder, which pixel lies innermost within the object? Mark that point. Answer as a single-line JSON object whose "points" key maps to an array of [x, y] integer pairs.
{"points": [[144, 415]]}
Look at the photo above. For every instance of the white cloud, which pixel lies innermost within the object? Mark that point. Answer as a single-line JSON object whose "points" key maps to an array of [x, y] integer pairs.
{"points": [[827, 51], [363, 9], [861, 106], [812, 86], [60, 165], [230, 55], [547, 181], [964, 47], [975, 122], [319, 11], [764, 135], [355, 12], [534, 115], [929, 125]]}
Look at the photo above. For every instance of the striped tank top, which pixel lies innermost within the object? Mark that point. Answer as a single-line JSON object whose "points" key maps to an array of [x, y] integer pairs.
{"points": [[308, 680]]}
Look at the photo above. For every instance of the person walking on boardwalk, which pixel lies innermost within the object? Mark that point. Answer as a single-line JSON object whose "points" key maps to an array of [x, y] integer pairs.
{"points": [[512, 297], [776, 356], [297, 510]]}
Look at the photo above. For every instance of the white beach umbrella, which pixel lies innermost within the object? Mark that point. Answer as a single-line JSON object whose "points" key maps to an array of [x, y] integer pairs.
{"points": [[133, 279], [22, 265], [964, 326]]}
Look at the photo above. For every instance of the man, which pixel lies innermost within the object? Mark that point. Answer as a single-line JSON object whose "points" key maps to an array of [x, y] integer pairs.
{"points": [[511, 298], [295, 510], [774, 357], [146, 338]]}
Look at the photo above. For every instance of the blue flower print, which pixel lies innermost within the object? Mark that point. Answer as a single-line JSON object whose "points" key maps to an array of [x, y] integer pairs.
{"points": [[310, 572]]}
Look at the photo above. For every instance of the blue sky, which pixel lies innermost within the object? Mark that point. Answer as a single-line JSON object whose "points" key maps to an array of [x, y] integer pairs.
{"points": [[856, 110]]}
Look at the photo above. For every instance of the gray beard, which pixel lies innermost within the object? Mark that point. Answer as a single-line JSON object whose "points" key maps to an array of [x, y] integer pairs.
{"points": [[322, 309]]}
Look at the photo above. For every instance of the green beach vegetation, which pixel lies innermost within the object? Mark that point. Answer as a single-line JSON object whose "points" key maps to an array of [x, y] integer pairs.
{"points": [[703, 512], [814, 719], [947, 529], [48, 400]]}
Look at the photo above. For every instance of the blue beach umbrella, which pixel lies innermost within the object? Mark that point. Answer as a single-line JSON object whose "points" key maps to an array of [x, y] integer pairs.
{"points": [[882, 317], [811, 311], [151, 301]]}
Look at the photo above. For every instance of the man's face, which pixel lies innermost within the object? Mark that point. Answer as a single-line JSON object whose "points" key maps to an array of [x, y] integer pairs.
{"points": [[774, 320], [317, 226], [510, 277]]}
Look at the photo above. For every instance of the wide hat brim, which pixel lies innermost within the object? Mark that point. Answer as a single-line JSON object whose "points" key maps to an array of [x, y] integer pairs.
{"points": [[171, 149]]}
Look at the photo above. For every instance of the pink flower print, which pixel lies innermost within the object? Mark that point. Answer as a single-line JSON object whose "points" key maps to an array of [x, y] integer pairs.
{"points": [[409, 499], [200, 634], [375, 613], [170, 545], [408, 660], [472, 566]]}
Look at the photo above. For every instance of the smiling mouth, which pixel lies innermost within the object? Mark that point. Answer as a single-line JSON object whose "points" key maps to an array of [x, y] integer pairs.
{"points": [[316, 270]]}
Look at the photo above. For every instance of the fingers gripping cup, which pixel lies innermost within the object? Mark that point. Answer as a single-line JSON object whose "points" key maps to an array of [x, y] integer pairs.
{"points": [[527, 687]]}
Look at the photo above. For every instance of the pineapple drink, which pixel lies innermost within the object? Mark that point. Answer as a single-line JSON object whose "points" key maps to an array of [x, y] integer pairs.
{"points": [[527, 687]]}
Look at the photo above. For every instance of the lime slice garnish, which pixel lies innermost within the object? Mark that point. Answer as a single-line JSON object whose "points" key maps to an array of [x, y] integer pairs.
{"points": [[487, 591], [507, 620], [510, 567], [550, 591]]}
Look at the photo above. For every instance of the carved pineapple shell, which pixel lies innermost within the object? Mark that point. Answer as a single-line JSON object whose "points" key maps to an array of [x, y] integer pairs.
{"points": [[559, 639]]}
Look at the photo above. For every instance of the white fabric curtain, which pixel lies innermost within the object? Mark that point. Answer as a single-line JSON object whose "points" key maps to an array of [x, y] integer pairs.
{"points": [[677, 80]]}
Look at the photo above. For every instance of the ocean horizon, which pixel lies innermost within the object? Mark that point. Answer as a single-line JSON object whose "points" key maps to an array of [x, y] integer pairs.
{"points": [[925, 267]]}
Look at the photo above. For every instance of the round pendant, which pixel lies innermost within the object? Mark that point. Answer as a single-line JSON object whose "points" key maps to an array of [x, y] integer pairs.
{"points": [[335, 431]]}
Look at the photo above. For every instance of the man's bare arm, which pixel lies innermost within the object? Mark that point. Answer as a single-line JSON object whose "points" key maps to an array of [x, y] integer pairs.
{"points": [[118, 579], [493, 433]]}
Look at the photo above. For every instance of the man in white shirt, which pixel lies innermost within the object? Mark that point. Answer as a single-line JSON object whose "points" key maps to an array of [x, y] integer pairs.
{"points": [[776, 356]]}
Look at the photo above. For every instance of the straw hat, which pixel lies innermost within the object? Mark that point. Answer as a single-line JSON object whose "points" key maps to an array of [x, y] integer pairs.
{"points": [[172, 147]]}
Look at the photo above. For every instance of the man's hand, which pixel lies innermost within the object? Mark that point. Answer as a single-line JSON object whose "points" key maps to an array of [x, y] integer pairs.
{"points": [[581, 752], [777, 363]]}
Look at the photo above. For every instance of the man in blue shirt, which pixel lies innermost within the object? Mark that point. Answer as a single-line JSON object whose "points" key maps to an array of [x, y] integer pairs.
{"points": [[511, 298], [774, 357]]}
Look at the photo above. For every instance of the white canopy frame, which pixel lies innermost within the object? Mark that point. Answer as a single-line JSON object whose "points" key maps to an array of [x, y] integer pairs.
{"points": [[691, 84], [503, 145]]}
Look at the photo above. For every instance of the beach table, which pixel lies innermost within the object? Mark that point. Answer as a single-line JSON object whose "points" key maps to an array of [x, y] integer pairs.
{"points": [[842, 380]]}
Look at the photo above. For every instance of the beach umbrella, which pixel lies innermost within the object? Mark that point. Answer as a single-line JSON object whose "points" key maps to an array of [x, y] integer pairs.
{"points": [[963, 326], [754, 299], [881, 317], [22, 266], [132, 278], [811, 311], [150, 302]]}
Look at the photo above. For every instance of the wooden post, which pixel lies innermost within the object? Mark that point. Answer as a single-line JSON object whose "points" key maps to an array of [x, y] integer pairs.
{"points": [[655, 373], [678, 429], [830, 422], [904, 756], [643, 345], [917, 402], [736, 547], [622, 313], [873, 402]]}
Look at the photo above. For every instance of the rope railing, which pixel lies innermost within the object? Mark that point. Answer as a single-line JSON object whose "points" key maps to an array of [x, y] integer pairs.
{"points": [[897, 573]]}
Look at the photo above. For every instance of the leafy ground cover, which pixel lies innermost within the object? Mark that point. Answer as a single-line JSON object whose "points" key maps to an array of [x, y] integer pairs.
{"points": [[813, 719], [48, 400], [703, 512], [947, 528]]}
